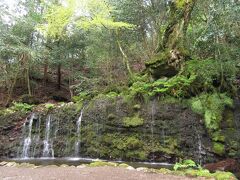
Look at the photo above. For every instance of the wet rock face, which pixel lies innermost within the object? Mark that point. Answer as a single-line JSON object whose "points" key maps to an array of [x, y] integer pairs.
{"points": [[112, 128], [10, 131]]}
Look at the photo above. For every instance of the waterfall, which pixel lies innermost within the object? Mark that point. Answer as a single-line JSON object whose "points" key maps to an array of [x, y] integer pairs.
{"points": [[48, 144], [153, 112], [37, 137], [78, 141], [28, 139], [200, 150]]}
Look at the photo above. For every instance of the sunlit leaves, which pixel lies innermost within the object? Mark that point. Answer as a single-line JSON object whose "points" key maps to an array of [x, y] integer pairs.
{"points": [[60, 18]]}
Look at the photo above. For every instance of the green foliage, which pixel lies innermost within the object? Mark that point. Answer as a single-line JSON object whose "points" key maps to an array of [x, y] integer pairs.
{"points": [[211, 107], [17, 106], [49, 106], [176, 87], [133, 121], [198, 173], [112, 95], [219, 175], [209, 72], [182, 3], [185, 165], [137, 107], [81, 97], [190, 168], [57, 18], [21, 107]]}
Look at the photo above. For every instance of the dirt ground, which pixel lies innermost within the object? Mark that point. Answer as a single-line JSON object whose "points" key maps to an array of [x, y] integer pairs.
{"points": [[86, 173]]}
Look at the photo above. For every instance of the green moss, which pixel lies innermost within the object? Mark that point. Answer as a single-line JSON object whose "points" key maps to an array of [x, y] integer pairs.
{"points": [[182, 3], [102, 163], [49, 106], [211, 106], [79, 105], [137, 107], [124, 146], [112, 95], [218, 137], [139, 154], [218, 148], [164, 171], [220, 175], [198, 173], [111, 116], [229, 117], [123, 165], [133, 121], [158, 59]]}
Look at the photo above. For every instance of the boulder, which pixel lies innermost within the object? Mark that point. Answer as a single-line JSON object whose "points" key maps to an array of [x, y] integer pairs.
{"points": [[230, 165]]}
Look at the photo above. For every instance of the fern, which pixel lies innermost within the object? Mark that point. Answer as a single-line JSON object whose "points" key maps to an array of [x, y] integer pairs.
{"points": [[185, 165]]}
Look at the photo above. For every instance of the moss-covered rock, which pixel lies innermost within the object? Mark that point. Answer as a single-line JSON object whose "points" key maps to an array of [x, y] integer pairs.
{"points": [[218, 148], [102, 163], [133, 121]]}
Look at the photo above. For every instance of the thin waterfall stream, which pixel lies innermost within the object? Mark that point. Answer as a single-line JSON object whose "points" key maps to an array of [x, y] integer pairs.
{"points": [[153, 111], [28, 139], [48, 145], [78, 141]]}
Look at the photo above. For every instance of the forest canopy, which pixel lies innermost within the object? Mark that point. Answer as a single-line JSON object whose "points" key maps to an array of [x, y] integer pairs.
{"points": [[52, 49]]}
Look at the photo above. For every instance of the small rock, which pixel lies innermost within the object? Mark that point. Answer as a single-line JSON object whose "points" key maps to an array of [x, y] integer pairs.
{"points": [[81, 166], [64, 165], [11, 164], [130, 168], [141, 169], [3, 163]]}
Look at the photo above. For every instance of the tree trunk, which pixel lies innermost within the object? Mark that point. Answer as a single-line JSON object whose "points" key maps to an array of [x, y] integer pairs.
{"points": [[125, 58], [59, 76], [171, 53], [28, 82], [45, 75]]}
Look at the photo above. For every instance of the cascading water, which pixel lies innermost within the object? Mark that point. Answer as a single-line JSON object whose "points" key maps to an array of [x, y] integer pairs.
{"points": [[78, 141], [48, 144], [37, 137], [200, 149], [28, 139], [153, 112]]}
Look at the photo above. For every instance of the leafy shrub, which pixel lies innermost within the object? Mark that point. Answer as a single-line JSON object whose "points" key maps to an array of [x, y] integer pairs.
{"points": [[21, 107], [209, 71], [185, 165], [81, 97], [176, 86]]}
